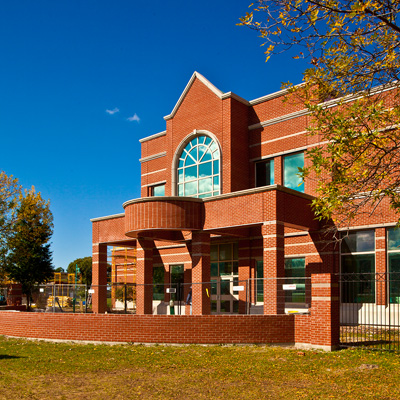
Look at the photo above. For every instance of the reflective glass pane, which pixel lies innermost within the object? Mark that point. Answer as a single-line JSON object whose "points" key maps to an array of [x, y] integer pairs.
{"points": [[215, 193], [291, 165], [216, 183], [190, 188], [360, 289], [180, 175], [205, 170], [158, 282], [225, 268], [394, 283], [225, 287], [189, 161], [190, 173], [394, 239], [225, 306], [213, 305], [198, 165], [193, 153], [214, 269], [272, 172], [235, 251], [235, 267], [235, 306], [295, 267], [216, 167], [205, 185], [214, 252], [260, 281], [180, 190], [214, 287], [358, 241], [159, 190], [206, 156], [225, 251]]}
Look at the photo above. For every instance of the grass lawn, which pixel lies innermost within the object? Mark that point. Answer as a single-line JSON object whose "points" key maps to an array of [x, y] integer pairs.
{"points": [[43, 370]]}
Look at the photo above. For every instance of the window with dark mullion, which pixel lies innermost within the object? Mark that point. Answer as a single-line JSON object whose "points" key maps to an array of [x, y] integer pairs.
{"points": [[265, 173]]}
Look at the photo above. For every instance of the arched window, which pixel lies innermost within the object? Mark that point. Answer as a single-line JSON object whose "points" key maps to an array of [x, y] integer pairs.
{"points": [[199, 168]]}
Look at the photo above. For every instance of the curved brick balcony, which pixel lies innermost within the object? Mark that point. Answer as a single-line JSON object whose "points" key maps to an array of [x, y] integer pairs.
{"points": [[153, 216]]}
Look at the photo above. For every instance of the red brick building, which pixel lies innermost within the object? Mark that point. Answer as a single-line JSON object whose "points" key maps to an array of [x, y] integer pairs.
{"points": [[222, 206]]}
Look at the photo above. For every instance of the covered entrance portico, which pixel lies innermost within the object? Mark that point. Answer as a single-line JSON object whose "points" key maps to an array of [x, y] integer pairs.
{"points": [[220, 242]]}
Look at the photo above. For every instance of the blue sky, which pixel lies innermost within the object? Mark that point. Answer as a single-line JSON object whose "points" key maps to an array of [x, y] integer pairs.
{"points": [[65, 63]]}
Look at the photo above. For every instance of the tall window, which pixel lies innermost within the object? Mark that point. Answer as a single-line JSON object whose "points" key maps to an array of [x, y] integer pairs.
{"points": [[295, 269], [158, 190], [358, 261], [158, 283], [199, 168], [265, 173], [291, 172], [393, 246]]}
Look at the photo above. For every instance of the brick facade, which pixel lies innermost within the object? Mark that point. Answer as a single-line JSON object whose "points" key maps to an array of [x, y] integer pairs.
{"points": [[264, 225]]}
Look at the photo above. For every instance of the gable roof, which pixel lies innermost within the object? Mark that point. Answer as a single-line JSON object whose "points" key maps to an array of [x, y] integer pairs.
{"points": [[207, 83]]}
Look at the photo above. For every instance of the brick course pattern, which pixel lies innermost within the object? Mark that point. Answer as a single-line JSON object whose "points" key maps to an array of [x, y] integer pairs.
{"points": [[201, 329]]}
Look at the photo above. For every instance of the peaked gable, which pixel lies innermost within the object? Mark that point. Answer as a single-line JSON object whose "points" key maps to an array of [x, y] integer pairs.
{"points": [[221, 95]]}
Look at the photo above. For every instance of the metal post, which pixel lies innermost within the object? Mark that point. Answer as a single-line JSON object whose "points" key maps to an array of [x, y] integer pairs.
{"points": [[125, 295], [86, 298]]}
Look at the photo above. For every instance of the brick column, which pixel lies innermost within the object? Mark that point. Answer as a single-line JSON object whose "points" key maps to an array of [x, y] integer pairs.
{"points": [[99, 278], [201, 272], [244, 274], [381, 268], [278, 171], [274, 267], [144, 277], [325, 311]]}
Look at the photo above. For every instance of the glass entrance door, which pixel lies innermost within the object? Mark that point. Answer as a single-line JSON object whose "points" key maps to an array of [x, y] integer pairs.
{"points": [[224, 276], [224, 300]]}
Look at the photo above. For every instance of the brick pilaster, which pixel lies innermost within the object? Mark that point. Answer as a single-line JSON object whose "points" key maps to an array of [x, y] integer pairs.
{"points": [[274, 267], [144, 277], [99, 278], [325, 311], [201, 273], [244, 274]]}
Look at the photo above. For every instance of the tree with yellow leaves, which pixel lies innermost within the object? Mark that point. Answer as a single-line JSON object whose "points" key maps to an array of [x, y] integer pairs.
{"points": [[351, 90], [26, 226]]}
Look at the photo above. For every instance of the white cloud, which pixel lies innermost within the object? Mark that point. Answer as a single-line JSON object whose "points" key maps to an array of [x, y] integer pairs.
{"points": [[113, 111], [135, 117]]}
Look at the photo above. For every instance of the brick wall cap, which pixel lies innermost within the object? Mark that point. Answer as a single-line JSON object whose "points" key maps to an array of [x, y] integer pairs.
{"points": [[165, 199], [259, 190], [151, 137], [122, 215], [219, 197]]}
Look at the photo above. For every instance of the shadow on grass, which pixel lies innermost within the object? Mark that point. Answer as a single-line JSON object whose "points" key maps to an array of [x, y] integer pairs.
{"points": [[7, 357]]}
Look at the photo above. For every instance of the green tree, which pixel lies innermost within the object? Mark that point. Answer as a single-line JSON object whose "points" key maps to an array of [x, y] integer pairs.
{"points": [[10, 191], [29, 258], [85, 266], [351, 90]]}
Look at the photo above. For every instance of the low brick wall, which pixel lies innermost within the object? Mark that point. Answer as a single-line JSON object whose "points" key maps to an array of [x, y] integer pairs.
{"points": [[202, 329]]}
